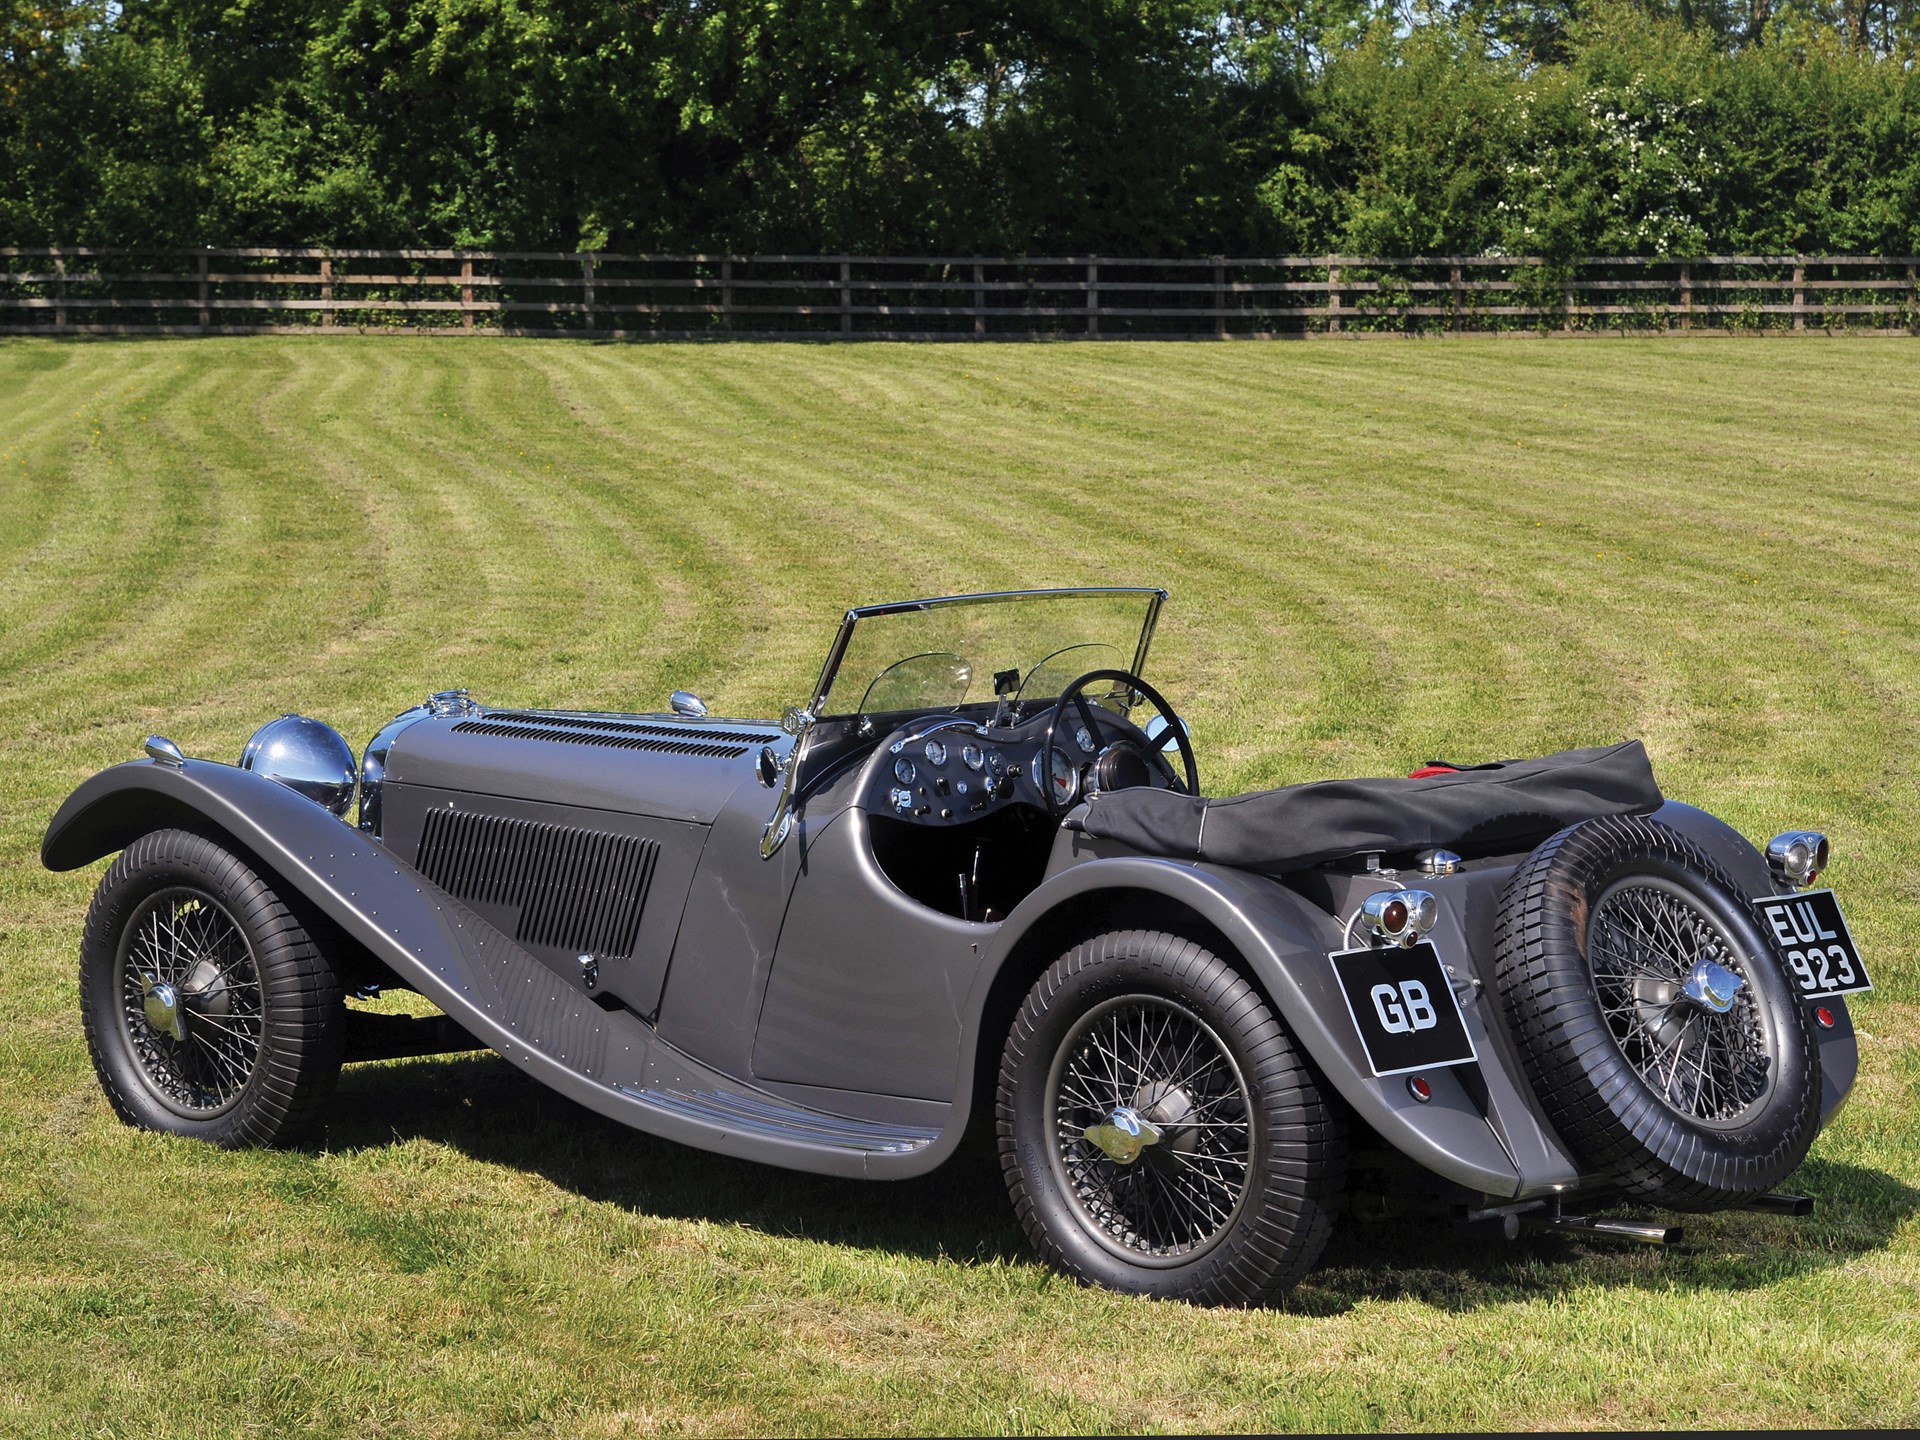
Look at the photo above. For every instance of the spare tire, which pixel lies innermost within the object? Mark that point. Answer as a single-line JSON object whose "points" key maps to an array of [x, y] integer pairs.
{"points": [[1655, 1016]]}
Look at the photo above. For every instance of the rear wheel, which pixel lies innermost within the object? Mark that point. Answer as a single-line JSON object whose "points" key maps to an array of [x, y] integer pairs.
{"points": [[1158, 1131], [209, 1011]]}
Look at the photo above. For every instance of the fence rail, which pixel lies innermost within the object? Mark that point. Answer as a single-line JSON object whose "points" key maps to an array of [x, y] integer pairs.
{"points": [[81, 290]]}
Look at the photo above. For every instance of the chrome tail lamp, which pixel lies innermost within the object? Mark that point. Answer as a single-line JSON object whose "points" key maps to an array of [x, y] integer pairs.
{"points": [[1399, 917], [1796, 857]]}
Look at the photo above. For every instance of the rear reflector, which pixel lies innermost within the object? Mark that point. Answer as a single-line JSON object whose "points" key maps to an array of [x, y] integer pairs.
{"points": [[1418, 1087], [1825, 1017]]}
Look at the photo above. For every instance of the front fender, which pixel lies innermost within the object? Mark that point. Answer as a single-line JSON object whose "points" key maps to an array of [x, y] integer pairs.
{"points": [[491, 987], [425, 936], [1284, 940]]}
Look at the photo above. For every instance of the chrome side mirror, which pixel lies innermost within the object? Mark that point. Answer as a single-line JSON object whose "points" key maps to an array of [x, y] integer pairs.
{"points": [[1158, 731], [685, 702], [797, 723]]}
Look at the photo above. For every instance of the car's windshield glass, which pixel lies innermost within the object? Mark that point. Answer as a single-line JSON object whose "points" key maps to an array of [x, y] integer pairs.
{"points": [[941, 654]]}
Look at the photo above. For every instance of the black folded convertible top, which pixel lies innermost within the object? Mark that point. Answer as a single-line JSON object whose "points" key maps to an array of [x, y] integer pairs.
{"points": [[1485, 810]]}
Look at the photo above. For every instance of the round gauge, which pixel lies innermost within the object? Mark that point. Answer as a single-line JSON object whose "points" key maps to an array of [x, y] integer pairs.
{"points": [[971, 757], [904, 771], [1084, 740], [936, 753], [1063, 777]]}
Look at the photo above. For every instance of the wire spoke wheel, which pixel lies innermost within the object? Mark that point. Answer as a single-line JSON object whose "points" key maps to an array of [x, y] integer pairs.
{"points": [[1150, 1129], [1678, 997], [191, 1005], [1159, 1132]]}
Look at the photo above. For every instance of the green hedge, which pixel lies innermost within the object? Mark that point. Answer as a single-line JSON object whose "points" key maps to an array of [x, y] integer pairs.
{"points": [[1147, 128]]}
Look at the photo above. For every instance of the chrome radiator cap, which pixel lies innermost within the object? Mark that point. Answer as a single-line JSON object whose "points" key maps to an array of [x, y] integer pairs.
{"points": [[307, 757]]}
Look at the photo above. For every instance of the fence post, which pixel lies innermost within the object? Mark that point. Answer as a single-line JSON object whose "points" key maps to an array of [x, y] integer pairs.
{"points": [[1093, 296], [1686, 297], [1913, 283], [1333, 297], [326, 289], [206, 311], [1800, 293], [59, 292], [1220, 296], [1566, 303], [979, 298], [1456, 277], [726, 294], [466, 293], [586, 286], [846, 298]]}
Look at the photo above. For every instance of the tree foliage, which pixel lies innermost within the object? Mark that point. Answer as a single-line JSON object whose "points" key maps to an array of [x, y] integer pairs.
{"points": [[1117, 126]]}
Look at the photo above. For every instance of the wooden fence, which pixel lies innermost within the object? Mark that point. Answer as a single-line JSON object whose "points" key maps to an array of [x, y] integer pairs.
{"points": [[77, 291]]}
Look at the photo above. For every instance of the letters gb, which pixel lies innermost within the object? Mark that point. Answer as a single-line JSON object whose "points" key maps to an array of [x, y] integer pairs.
{"points": [[1404, 1008]]}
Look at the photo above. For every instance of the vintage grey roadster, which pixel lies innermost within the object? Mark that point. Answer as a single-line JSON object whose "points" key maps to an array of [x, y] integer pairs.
{"points": [[973, 885]]}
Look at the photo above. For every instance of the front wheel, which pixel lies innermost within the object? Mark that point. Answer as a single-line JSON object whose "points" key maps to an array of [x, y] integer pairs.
{"points": [[1159, 1132], [208, 1009]]}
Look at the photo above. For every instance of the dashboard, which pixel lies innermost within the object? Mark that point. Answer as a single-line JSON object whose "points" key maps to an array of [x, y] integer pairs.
{"points": [[950, 771]]}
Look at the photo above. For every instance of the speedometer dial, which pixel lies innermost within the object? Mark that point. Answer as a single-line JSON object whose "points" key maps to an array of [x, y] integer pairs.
{"points": [[1063, 777]]}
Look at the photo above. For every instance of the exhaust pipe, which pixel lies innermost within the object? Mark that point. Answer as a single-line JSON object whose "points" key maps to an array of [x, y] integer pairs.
{"points": [[1640, 1231], [1798, 1206]]}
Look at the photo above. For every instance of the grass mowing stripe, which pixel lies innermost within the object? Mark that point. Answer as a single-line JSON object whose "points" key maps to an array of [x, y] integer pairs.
{"points": [[1377, 553]]}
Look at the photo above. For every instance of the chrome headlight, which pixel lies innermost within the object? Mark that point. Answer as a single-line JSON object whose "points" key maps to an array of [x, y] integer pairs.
{"points": [[307, 757], [1400, 917], [1796, 857]]}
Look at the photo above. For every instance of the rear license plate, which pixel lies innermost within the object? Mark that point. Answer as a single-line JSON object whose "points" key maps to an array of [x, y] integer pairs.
{"points": [[1404, 1008], [1813, 937]]}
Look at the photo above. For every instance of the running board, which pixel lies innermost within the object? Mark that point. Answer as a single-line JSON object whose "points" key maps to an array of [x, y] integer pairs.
{"points": [[766, 1118]]}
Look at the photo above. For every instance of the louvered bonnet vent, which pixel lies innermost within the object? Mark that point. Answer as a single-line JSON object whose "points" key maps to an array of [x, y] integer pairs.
{"points": [[709, 741], [555, 886]]}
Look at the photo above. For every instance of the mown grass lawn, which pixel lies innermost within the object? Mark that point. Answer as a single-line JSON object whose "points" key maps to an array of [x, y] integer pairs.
{"points": [[1377, 553]]}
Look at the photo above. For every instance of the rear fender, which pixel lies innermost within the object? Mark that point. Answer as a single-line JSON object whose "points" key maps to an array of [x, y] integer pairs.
{"points": [[1284, 940]]}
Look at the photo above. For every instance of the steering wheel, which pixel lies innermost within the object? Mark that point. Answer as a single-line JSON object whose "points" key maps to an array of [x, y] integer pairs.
{"points": [[1119, 755]]}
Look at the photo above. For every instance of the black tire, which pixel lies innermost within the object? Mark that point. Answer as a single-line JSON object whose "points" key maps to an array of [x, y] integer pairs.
{"points": [[1683, 1104], [250, 1012], [1256, 1124]]}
